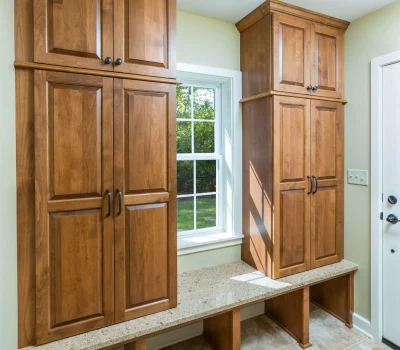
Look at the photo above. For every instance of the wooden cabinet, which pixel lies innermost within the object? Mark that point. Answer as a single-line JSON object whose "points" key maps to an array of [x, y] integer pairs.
{"points": [[144, 175], [288, 49], [327, 143], [74, 233], [137, 36]]}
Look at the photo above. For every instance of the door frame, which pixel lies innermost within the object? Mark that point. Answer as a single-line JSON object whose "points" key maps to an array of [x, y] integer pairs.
{"points": [[377, 65]]}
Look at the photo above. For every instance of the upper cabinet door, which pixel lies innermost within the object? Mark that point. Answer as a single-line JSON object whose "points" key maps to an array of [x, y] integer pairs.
{"points": [[145, 181], [291, 54], [144, 37], [74, 222], [74, 33], [327, 70]]}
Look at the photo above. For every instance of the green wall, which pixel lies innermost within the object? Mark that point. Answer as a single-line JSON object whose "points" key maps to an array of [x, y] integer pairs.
{"points": [[370, 36]]}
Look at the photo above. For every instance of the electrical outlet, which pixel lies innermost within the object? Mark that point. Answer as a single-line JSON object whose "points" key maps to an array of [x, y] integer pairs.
{"points": [[357, 177]]}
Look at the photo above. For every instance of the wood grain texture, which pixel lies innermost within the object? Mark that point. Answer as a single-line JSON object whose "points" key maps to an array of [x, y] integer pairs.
{"points": [[336, 296], [257, 192], [291, 235], [145, 37], [76, 234], [327, 61], [281, 7], [223, 331], [49, 67], [25, 202], [327, 164], [255, 58], [291, 54], [291, 311], [145, 232], [23, 25], [73, 33], [137, 345]]}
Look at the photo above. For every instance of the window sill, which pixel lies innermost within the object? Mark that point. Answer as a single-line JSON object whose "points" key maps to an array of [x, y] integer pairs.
{"points": [[206, 241]]}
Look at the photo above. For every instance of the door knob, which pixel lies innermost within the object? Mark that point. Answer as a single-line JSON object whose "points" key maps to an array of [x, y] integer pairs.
{"points": [[108, 60], [392, 200], [118, 61], [393, 219]]}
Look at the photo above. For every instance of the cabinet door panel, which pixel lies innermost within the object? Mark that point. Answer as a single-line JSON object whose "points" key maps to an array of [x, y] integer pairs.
{"points": [[327, 59], [291, 186], [144, 37], [73, 33], [291, 54], [327, 165], [74, 235], [145, 171]]}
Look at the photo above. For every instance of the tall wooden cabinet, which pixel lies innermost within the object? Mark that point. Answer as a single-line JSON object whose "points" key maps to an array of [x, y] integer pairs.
{"points": [[293, 138], [96, 101]]}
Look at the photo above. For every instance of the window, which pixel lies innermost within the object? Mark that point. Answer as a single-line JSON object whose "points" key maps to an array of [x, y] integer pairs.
{"points": [[198, 115]]}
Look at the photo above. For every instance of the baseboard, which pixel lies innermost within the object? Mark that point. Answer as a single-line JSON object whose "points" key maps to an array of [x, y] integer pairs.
{"points": [[194, 330], [363, 325]]}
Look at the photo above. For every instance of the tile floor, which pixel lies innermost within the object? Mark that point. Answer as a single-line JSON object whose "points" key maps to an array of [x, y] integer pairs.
{"points": [[260, 333]]}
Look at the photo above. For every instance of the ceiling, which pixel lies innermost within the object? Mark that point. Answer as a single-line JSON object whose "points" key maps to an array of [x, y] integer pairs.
{"points": [[234, 10]]}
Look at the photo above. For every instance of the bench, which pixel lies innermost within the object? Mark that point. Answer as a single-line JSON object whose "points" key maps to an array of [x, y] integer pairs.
{"points": [[216, 295]]}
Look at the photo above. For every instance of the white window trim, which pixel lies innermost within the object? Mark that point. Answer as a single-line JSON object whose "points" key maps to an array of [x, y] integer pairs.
{"points": [[231, 148]]}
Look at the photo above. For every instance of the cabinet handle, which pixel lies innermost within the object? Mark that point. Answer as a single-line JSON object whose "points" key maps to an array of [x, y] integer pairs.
{"points": [[119, 192], [118, 61], [316, 184], [314, 88], [108, 191], [108, 60], [311, 184], [310, 87]]}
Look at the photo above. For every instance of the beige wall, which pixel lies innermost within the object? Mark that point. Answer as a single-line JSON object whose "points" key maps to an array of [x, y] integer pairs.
{"points": [[370, 36], [207, 42], [8, 234]]}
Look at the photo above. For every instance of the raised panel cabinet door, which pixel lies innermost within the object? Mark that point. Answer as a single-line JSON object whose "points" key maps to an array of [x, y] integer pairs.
{"points": [[291, 226], [327, 61], [144, 37], [74, 223], [145, 198], [74, 33], [327, 144], [291, 54]]}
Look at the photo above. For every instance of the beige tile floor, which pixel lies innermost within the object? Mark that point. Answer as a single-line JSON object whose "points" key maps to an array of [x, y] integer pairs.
{"points": [[326, 332]]}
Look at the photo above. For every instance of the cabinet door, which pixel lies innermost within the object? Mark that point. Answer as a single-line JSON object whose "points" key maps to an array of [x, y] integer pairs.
{"points": [[144, 37], [145, 174], [74, 33], [291, 237], [327, 61], [327, 165], [74, 233], [291, 54]]}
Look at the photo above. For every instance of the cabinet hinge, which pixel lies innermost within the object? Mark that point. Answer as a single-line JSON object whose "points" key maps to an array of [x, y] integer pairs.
{"points": [[381, 215]]}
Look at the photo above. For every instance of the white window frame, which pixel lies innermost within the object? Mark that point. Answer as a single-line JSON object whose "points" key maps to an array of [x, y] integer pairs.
{"points": [[217, 156], [229, 145]]}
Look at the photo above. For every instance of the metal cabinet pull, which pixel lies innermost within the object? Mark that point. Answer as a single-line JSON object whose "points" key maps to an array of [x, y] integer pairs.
{"points": [[311, 184], [119, 192], [108, 192], [316, 184]]}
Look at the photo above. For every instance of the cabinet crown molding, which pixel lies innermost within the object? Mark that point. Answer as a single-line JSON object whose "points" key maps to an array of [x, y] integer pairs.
{"points": [[271, 6]]}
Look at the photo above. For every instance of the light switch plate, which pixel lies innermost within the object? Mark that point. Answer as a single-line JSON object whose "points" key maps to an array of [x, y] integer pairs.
{"points": [[357, 177]]}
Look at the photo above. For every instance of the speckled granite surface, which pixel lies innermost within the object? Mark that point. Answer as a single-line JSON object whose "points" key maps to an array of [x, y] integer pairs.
{"points": [[201, 293]]}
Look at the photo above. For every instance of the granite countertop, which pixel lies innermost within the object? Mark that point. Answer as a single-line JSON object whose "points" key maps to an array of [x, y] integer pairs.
{"points": [[202, 293]]}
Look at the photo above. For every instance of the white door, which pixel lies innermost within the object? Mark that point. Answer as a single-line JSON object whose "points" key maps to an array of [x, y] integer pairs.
{"points": [[391, 205]]}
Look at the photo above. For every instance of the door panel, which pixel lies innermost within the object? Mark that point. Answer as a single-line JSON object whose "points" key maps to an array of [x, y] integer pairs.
{"points": [[144, 37], [74, 234], [327, 59], [145, 171], [291, 54], [74, 33], [291, 186], [327, 145]]}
